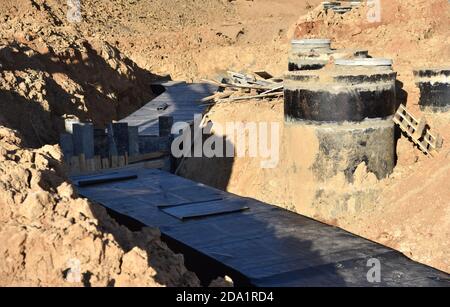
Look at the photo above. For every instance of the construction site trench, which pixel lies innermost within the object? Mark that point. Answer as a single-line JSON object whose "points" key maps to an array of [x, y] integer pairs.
{"points": [[121, 162]]}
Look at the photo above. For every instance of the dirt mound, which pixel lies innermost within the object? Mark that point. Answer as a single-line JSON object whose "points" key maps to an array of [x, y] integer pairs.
{"points": [[51, 237], [51, 66], [48, 69], [413, 212]]}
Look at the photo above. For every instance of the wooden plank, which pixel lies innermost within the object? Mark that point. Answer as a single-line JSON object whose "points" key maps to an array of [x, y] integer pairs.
{"points": [[154, 164], [247, 86], [126, 158], [272, 90], [218, 95], [419, 130], [90, 165], [251, 97]]}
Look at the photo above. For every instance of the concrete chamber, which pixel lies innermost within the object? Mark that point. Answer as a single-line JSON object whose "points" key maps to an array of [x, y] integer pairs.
{"points": [[349, 107]]}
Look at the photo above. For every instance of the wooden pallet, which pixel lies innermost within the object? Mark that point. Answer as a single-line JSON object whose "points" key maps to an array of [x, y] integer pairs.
{"points": [[418, 131]]}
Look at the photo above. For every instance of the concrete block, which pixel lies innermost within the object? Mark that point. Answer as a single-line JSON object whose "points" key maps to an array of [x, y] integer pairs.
{"points": [[342, 147], [112, 147], [434, 85]]}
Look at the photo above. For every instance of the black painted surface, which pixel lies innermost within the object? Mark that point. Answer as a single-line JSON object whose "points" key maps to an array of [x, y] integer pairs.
{"points": [[154, 143], [165, 125], [360, 78], [346, 105], [262, 246], [434, 88], [182, 104], [346, 75]]}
